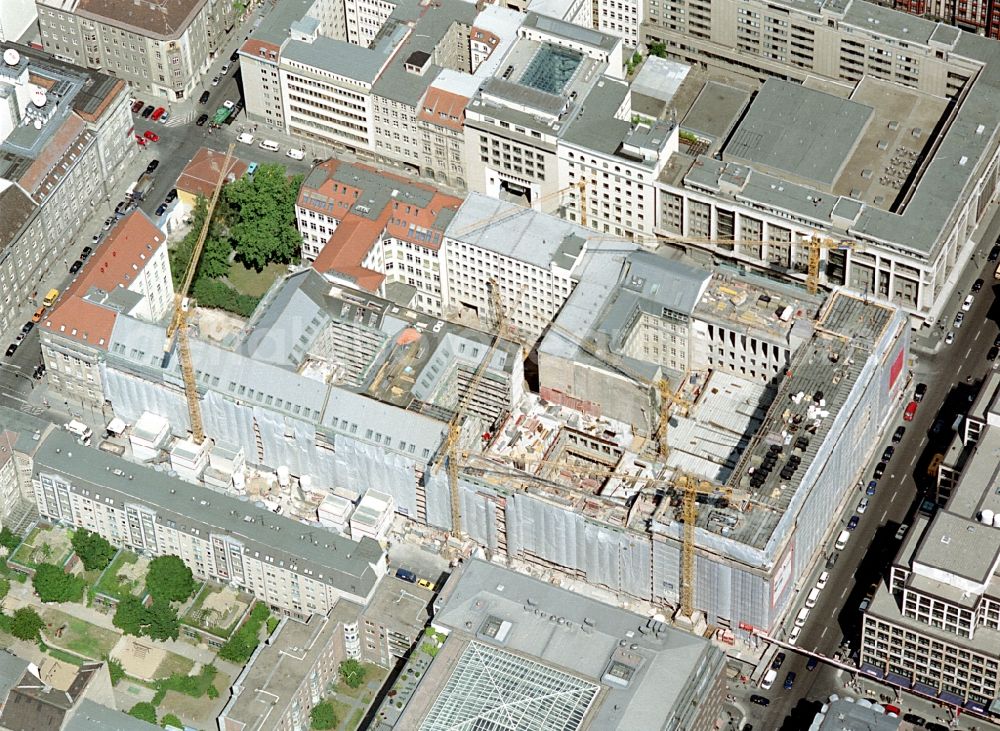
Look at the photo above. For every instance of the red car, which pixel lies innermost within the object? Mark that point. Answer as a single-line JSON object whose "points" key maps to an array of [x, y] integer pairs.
{"points": [[911, 411], [158, 113], [151, 136], [137, 106]]}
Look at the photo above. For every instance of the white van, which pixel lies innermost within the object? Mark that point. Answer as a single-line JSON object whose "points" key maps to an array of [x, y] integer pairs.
{"points": [[800, 621], [821, 581], [80, 430], [842, 540], [811, 599], [769, 678], [296, 154], [793, 636], [269, 145], [246, 138]]}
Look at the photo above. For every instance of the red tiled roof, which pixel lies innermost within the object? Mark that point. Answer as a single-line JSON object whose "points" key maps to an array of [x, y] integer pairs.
{"points": [[261, 49], [347, 248], [116, 263], [54, 149], [447, 109], [200, 176]]}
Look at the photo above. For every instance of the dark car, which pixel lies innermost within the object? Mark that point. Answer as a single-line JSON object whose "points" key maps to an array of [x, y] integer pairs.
{"points": [[39, 371], [748, 727], [235, 56], [27, 327], [935, 727], [977, 285], [919, 392], [779, 659], [75, 266], [171, 196], [879, 471], [406, 575], [937, 426], [147, 111], [789, 681], [153, 164], [897, 436], [888, 452], [811, 665], [204, 97], [992, 353], [872, 487], [831, 560], [85, 252], [853, 522], [994, 253], [137, 106], [11, 348], [201, 120], [760, 700], [914, 719], [161, 209]]}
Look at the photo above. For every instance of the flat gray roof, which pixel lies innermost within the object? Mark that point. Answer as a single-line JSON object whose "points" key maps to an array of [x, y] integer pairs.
{"points": [[659, 78], [571, 31], [343, 58], [805, 133], [960, 546], [340, 562]]}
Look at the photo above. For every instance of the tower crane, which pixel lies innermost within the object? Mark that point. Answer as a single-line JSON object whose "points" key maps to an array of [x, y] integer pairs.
{"points": [[449, 452], [183, 305]]}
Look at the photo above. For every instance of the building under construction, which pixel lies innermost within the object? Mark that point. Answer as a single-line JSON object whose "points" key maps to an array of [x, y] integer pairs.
{"points": [[572, 493]]}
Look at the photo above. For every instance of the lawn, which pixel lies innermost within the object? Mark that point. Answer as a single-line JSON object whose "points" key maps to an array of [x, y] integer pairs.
{"points": [[373, 674], [355, 721], [78, 636], [173, 664], [253, 283], [217, 610], [120, 579], [43, 545]]}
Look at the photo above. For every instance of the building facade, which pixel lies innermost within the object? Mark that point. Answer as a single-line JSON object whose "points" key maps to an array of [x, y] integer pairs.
{"points": [[161, 50]]}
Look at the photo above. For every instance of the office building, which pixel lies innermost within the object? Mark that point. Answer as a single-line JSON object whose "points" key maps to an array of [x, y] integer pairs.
{"points": [[393, 622], [978, 17], [128, 273], [568, 659], [935, 628], [16, 18], [20, 434], [64, 142], [298, 572], [160, 47]]}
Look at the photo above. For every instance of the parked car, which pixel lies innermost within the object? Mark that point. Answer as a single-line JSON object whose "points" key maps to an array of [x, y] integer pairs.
{"points": [[996, 341], [937, 426], [853, 522], [865, 603], [27, 327], [789, 681], [85, 252], [229, 104], [39, 371], [157, 113], [901, 531], [879, 471], [959, 319], [224, 70], [872, 487], [426, 584], [204, 96], [109, 222], [11, 349], [147, 111], [201, 120], [919, 392], [778, 661], [252, 168], [897, 436], [136, 106], [824, 577], [171, 196], [831, 560], [215, 81], [910, 411], [760, 700], [888, 452], [977, 285], [994, 253], [949, 338], [151, 136], [75, 266], [811, 665], [39, 314], [992, 353], [235, 56], [862, 506], [913, 718], [95, 239], [153, 164], [967, 304], [161, 209], [406, 575]]}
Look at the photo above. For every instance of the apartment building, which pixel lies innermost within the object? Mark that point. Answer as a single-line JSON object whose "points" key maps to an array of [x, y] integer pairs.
{"points": [[371, 229], [393, 622], [219, 537], [19, 437], [64, 139], [160, 48], [622, 18], [533, 257], [878, 189], [128, 273], [16, 17], [935, 627], [973, 16]]}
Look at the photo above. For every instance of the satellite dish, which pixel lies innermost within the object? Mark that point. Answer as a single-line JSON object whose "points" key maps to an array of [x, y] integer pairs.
{"points": [[38, 97], [11, 57]]}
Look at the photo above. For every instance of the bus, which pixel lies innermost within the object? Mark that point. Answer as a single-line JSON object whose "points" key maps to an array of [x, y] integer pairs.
{"points": [[221, 115]]}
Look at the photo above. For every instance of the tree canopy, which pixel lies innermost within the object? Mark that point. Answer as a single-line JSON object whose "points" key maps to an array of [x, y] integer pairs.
{"points": [[9, 539], [94, 551], [54, 585], [214, 261], [144, 711], [168, 579], [322, 716], [352, 672], [158, 621], [261, 216], [244, 641], [26, 625], [171, 720]]}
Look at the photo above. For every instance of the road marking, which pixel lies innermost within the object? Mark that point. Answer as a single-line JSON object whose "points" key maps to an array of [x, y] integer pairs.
{"points": [[893, 498], [913, 461], [883, 516], [922, 443], [968, 352], [978, 333], [825, 628]]}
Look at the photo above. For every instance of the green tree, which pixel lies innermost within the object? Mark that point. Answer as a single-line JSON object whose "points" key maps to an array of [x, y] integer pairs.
{"points": [[26, 624], [144, 711], [161, 621], [94, 551], [658, 49], [4, 588], [54, 585], [9, 540], [171, 720], [322, 716], [262, 216], [352, 672], [129, 615], [169, 579], [115, 670], [214, 261]]}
